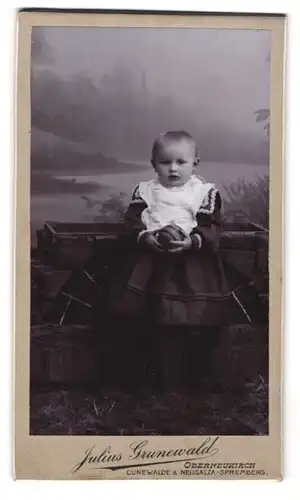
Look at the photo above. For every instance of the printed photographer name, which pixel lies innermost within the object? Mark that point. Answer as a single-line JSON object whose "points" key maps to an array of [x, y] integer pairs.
{"points": [[139, 450]]}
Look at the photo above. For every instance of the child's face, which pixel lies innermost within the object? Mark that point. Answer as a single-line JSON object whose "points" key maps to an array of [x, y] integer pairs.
{"points": [[175, 162]]}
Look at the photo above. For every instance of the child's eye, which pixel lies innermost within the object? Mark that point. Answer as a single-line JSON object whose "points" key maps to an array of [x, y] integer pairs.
{"points": [[181, 162], [164, 162]]}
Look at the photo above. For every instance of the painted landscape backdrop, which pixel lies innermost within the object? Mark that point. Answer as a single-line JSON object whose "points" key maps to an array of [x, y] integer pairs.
{"points": [[100, 96]]}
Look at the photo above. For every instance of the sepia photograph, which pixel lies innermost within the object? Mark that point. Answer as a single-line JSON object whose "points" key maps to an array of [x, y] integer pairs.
{"points": [[148, 245], [149, 231]]}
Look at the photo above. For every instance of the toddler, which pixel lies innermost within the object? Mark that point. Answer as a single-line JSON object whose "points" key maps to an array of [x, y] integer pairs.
{"points": [[179, 288]]}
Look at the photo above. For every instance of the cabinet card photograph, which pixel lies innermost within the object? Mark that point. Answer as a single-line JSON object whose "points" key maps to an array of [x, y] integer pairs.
{"points": [[148, 245]]}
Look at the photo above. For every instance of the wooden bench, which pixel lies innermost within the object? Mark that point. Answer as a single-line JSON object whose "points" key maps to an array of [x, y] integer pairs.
{"points": [[68, 280]]}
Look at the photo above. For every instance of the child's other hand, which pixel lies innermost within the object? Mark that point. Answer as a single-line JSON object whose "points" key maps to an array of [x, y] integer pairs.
{"points": [[179, 246], [151, 242]]}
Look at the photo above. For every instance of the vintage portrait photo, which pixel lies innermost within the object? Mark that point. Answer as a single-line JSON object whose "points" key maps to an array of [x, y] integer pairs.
{"points": [[149, 250]]}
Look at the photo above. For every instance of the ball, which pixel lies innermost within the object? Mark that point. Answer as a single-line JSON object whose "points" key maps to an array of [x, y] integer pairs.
{"points": [[169, 233]]}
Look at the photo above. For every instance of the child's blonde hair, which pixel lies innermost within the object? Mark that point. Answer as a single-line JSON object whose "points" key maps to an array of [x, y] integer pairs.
{"points": [[172, 135]]}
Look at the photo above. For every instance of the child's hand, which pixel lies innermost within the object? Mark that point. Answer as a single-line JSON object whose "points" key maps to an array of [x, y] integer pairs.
{"points": [[151, 241], [179, 246]]}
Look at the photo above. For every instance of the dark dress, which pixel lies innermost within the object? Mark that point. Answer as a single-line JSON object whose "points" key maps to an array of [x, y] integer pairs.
{"points": [[185, 289]]}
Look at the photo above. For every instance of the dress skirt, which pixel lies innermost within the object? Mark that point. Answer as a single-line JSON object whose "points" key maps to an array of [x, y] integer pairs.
{"points": [[186, 289]]}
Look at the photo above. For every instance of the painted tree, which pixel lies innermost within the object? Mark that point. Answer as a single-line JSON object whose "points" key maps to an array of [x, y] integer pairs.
{"points": [[263, 115]]}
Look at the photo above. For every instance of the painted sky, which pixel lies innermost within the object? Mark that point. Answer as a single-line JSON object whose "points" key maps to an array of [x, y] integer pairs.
{"points": [[134, 83]]}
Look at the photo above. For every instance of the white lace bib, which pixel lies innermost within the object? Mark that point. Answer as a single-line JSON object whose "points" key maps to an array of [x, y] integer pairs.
{"points": [[176, 205]]}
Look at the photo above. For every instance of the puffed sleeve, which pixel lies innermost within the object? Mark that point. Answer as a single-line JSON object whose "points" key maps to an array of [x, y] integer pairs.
{"points": [[206, 235], [134, 226]]}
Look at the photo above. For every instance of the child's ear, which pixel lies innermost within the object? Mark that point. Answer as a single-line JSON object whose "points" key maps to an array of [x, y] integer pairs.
{"points": [[196, 163]]}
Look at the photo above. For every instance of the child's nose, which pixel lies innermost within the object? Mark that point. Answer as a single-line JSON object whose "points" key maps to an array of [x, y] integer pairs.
{"points": [[173, 167]]}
